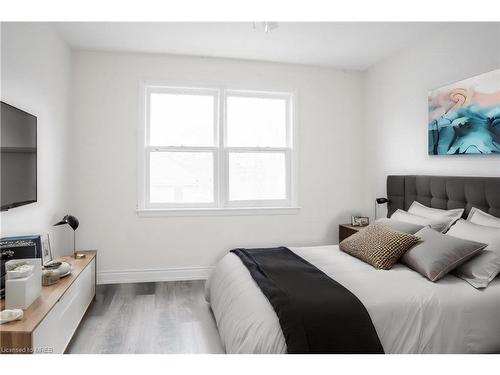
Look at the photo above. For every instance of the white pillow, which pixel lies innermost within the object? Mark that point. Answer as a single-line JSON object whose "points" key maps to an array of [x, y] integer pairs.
{"points": [[437, 224], [480, 270], [477, 216], [419, 209]]}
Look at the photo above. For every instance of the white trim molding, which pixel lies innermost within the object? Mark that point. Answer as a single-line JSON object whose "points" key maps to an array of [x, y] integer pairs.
{"points": [[153, 275], [227, 211], [221, 153]]}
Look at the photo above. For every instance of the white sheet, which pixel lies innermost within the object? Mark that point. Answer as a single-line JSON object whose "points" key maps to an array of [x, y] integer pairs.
{"points": [[410, 313]]}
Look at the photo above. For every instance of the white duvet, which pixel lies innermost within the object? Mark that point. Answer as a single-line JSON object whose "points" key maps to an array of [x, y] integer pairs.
{"points": [[410, 313]]}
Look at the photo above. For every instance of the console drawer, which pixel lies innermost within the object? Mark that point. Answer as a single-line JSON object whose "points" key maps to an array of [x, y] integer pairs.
{"points": [[55, 331]]}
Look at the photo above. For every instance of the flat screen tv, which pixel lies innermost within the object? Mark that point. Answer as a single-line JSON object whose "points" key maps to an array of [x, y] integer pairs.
{"points": [[18, 157]]}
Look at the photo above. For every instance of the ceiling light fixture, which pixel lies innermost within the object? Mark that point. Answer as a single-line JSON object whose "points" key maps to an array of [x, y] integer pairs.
{"points": [[267, 26]]}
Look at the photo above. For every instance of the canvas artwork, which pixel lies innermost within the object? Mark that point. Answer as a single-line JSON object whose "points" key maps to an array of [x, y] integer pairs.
{"points": [[464, 118]]}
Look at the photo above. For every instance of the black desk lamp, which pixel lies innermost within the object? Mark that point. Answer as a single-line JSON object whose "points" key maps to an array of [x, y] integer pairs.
{"points": [[380, 201], [73, 223]]}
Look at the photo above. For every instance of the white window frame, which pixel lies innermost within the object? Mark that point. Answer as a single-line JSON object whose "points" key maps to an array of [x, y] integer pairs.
{"points": [[221, 205]]}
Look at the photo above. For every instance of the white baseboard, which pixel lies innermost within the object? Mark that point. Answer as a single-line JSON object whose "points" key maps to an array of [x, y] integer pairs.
{"points": [[152, 275]]}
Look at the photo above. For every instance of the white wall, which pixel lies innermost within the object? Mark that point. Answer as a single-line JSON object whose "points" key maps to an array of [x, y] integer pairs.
{"points": [[353, 129], [395, 119], [36, 76], [105, 121]]}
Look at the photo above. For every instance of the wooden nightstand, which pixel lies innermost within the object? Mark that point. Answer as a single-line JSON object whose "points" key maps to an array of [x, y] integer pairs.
{"points": [[346, 230]]}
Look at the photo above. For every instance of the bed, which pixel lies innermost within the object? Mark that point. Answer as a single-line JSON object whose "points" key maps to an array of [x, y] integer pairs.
{"points": [[409, 313]]}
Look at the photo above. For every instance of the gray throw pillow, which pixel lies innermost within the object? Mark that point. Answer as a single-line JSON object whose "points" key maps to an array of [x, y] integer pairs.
{"points": [[480, 270], [400, 226], [437, 254], [439, 224], [477, 216]]}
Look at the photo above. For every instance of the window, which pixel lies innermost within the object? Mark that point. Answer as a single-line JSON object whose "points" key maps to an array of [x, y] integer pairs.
{"points": [[212, 148]]}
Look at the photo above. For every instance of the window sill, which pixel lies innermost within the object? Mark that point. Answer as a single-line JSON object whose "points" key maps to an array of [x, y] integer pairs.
{"points": [[239, 211]]}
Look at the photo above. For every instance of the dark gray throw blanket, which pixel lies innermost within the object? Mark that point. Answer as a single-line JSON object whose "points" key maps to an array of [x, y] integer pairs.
{"points": [[316, 313]]}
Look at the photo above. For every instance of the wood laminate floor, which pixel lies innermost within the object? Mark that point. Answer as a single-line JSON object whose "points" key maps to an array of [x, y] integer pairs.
{"points": [[163, 317]]}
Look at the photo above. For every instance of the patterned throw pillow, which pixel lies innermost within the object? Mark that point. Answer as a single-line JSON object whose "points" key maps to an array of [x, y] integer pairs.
{"points": [[378, 245]]}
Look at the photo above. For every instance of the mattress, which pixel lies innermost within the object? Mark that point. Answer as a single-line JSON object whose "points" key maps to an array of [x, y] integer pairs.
{"points": [[410, 313]]}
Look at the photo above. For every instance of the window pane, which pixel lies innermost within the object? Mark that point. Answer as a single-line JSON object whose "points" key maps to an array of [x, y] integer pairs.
{"points": [[256, 122], [181, 120], [257, 176], [181, 177]]}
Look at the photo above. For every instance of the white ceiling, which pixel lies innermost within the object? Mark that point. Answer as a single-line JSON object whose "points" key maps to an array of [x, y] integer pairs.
{"points": [[339, 44]]}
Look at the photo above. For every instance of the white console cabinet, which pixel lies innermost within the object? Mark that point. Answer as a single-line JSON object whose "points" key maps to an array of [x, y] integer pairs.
{"points": [[50, 322]]}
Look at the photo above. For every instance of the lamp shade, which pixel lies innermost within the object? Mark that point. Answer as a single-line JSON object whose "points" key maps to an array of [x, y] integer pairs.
{"points": [[380, 201], [70, 220]]}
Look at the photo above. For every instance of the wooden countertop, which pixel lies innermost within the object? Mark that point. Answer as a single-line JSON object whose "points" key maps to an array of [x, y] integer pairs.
{"points": [[35, 313]]}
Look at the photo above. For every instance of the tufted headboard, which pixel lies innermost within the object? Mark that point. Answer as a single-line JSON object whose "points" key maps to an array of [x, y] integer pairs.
{"points": [[444, 192]]}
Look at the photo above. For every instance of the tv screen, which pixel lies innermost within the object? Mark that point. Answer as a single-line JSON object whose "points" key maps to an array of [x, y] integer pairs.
{"points": [[18, 157]]}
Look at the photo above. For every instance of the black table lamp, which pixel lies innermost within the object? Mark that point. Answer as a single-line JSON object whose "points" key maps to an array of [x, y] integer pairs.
{"points": [[73, 223], [380, 201]]}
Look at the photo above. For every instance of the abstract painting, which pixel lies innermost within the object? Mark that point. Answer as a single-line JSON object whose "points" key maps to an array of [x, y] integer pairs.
{"points": [[464, 118]]}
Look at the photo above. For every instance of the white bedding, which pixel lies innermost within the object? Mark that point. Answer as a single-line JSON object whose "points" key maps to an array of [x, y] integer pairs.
{"points": [[410, 313]]}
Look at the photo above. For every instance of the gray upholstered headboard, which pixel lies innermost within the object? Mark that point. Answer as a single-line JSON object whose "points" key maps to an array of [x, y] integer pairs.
{"points": [[444, 192]]}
